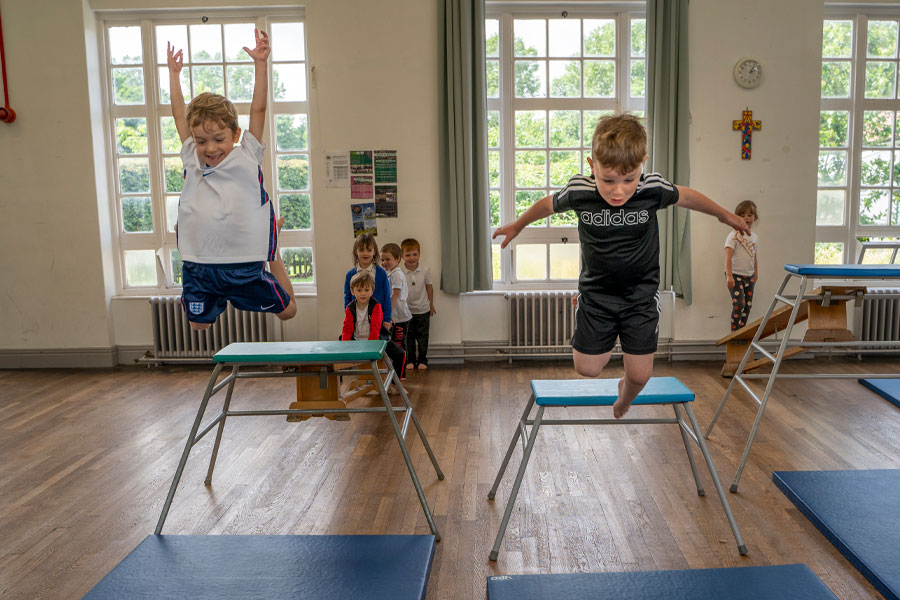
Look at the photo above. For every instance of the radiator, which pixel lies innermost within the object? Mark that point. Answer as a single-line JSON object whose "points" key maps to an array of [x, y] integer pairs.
{"points": [[173, 337], [541, 323], [880, 316]]}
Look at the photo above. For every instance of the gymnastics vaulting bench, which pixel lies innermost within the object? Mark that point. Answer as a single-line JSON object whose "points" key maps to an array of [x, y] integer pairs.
{"points": [[603, 392]]}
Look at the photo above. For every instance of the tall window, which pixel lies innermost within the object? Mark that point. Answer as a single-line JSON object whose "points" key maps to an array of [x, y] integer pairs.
{"points": [[550, 77], [858, 195], [147, 174]]}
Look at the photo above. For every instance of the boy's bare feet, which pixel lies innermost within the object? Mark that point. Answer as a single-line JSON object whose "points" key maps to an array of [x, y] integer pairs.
{"points": [[422, 367], [620, 407]]}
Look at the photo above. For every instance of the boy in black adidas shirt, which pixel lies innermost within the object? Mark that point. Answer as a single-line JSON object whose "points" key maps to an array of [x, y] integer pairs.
{"points": [[618, 286]]}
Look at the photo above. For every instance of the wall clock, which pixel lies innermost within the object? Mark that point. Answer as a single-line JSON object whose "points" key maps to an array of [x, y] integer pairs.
{"points": [[748, 73]]}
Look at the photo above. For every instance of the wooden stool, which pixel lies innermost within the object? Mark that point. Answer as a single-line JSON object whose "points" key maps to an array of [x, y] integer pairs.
{"points": [[321, 392]]}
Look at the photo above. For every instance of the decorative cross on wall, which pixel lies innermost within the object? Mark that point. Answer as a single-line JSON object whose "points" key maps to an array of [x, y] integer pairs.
{"points": [[746, 126]]}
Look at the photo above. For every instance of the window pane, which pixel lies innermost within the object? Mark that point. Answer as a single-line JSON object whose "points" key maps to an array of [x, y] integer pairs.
{"points": [[564, 261], [177, 267], [599, 78], [170, 140], [492, 37], [562, 166], [125, 46], [565, 79], [830, 207], [524, 200], [494, 169], [832, 167], [881, 41], [293, 172], [531, 169], [208, 79], [565, 129], [897, 168], [174, 172], [164, 96], [171, 213], [880, 79], [599, 37], [289, 82], [240, 83], [137, 214], [638, 78], [238, 35], [530, 37], [590, 123], [875, 168], [531, 80], [295, 210], [495, 262], [531, 128], [492, 76], [895, 211], [564, 219], [638, 37], [836, 79], [134, 175], [299, 264], [836, 39], [873, 207], [140, 267], [531, 261], [833, 128], [128, 86], [564, 37], [291, 132], [287, 42], [206, 43], [174, 34], [493, 128], [131, 136], [829, 253], [495, 208]]}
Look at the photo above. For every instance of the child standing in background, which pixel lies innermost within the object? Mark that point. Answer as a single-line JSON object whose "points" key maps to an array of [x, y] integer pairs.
{"points": [[390, 260], [364, 317], [421, 304], [365, 258], [741, 266]]}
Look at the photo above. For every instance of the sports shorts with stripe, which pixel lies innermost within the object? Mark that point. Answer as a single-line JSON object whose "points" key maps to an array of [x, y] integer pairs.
{"points": [[599, 322]]}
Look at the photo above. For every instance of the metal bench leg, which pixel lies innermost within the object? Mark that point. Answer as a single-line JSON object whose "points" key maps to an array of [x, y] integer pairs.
{"points": [[512, 445], [225, 406], [687, 446], [742, 549], [415, 420], [187, 449], [382, 388], [495, 551]]}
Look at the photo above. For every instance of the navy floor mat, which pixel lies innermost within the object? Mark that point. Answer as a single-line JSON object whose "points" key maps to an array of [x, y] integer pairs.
{"points": [[889, 389]]}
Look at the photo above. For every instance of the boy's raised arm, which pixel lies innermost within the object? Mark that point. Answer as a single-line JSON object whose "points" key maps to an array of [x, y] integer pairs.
{"points": [[260, 56], [694, 200], [175, 61], [539, 210]]}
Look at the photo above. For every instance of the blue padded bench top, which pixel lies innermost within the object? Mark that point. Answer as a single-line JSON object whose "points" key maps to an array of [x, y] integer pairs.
{"points": [[854, 271], [796, 582], [300, 352], [276, 567], [603, 392]]}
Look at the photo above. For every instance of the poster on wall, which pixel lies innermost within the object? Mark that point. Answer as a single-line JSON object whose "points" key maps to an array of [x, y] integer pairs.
{"points": [[361, 175], [361, 187], [337, 169], [363, 217], [385, 166], [385, 200]]}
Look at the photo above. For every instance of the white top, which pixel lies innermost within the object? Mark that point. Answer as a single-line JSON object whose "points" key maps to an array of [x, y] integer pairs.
{"points": [[224, 213], [362, 323], [418, 297], [399, 311], [745, 250]]}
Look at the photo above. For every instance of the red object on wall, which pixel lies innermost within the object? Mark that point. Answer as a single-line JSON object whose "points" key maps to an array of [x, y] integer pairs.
{"points": [[7, 114]]}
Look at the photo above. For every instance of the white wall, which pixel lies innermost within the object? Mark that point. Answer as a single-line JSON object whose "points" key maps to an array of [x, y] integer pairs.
{"points": [[375, 86]]}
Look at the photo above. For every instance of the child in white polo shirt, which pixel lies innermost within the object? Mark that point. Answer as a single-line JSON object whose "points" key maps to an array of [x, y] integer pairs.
{"points": [[227, 229], [421, 304]]}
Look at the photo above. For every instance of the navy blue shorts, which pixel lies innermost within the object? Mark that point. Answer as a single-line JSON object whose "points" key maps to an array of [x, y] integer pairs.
{"points": [[248, 286], [598, 324]]}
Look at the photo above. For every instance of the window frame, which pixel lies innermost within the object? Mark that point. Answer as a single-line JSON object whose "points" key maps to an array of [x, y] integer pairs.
{"points": [[506, 105], [161, 240]]}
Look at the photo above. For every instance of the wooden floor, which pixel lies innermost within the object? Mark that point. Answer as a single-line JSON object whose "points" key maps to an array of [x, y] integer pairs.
{"points": [[86, 458]]}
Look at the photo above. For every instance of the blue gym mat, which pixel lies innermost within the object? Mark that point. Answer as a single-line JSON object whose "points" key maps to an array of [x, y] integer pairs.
{"points": [[889, 389], [796, 582], [309, 567], [859, 512]]}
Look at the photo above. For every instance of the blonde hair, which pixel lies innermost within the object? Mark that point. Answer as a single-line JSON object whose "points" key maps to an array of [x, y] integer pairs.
{"points": [[366, 240], [410, 244], [362, 279], [619, 142], [208, 107], [392, 249], [747, 206]]}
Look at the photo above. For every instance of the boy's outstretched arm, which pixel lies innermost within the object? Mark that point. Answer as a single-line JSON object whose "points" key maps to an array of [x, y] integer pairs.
{"points": [[694, 200], [175, 61], [539, 210], [260, 56]]}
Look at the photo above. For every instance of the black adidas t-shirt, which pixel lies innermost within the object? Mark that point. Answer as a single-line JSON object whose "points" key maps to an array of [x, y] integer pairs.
{"points": [[619, 244]]}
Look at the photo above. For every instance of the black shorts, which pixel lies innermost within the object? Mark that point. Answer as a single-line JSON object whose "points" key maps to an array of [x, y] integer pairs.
{"points": [[598, 324], [207, 287]]}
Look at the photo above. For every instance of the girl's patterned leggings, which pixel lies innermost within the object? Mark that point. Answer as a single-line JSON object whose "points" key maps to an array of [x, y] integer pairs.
{"points": [[741, 300]]}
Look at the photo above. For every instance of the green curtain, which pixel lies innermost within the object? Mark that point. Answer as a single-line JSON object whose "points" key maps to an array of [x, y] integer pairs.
{"points": [[668, 121], [465, 230]]}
